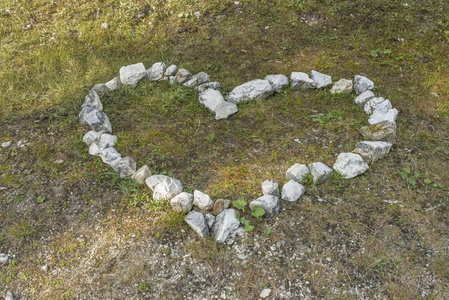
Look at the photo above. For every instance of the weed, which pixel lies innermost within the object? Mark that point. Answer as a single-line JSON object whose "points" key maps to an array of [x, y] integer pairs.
{"points": [[407, 175], [21, 230], [143, 287]]}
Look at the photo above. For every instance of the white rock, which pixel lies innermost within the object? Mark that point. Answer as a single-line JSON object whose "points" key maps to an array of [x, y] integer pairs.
{"points": [[301, 81], [362, 84], [211, 99], [109, 155], [104, 25], [292, 191], [182, 202], [269, 203], [141, 175], [342, 86], [3, 258], [390, 116], [202, 201], [171, 71], [126, 166], [95, 118], [375, 149], [225, 224], [192, 82], [364, 97], [371, 104], [265, 293], [167, 189], [225, 109], [202, 78], [209, 85], [182, 76], [297, 172], [132, 74], [107, 140], [270, 187], [156, 71], [198, 223], [210, 219], [101, 89], [321, 80], [154, 180], [350, 165], [256, 89], [114, 84], [320, 172], [278, 82], [92, 136], [92, 99], [95, 149], [7, 144]]}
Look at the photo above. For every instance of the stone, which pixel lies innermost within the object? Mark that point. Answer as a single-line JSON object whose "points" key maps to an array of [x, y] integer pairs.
{"points": [[382, 131], [126, 167], [320, 172], [198, 223], [95, 118], [132, 74], [182, 76], [167, 189], [7, 144], [92, 136], [182, 202], [371, 104], [225, 224], [364, 97], [270, 187], [292, 191], [375, 149], [171, 71], [202, 201], [265, 293], [390, 116], [220, 205], [350, 165], [101, 89], [109, 155], [211, 99], [92, 99], [9, 296], [3, 258], [225, 109], [297, 172], [301, 81], [278, 82], [107, 140], [365, 155], [156, 71], [210, 219], [192, 82], [172, 80], [154, 180], [141, 175], [256, 89], [269, 203], [342, 86], [202, 78], [362, 84], [321, 80], [95, 149], [114, 84], [209, 85]]}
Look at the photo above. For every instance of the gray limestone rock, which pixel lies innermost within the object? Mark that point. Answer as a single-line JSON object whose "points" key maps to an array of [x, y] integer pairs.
{"points": [[210, 85], [114, 84], [220, 205], [364, 97], [265, 293], [167, 189], [225, 109], [202, 200], [132, 74], [270, 187], [107, 140], [154, 180], [320, 172], [375, 149], [371, 104], [382, 131], [362, 84], [256, 89], [292, 191], [342, 86], [92, 136], [126, 167], [321, 80], [389, 116], [171, 71], [156, 72], [350, 165], [210, 219], [141, 175], [301, 81], [3, 258], [297, 172], [101, 89], [95, 118], [211, 99], [109, 155], [92, 99], [365, 155], [95, 149], [182, 202], [198, 223], [278, 82], [192, 82], [269, 203], [202, 78], [182, 76], [225, 224]]}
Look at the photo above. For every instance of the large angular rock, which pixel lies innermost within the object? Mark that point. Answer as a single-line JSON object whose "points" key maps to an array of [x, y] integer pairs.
{"points": [[225, 224], [154, 180], [182, 202], [389, 116], [211, 99], [107, 140], [321, 80], [364, 97], [220, 205], [114, 84], [126, 167], [171, 71], [382, 131], [256, 89], [375, 149], [182, 76], [202, 200], [156, 72], [270, 187], [292, 191], [132, 74], [198, 223], [109, 155], [92, 99], [301, 81], [297, 172], [95, 118], [167, 189], [141, 175], [269, 203], [362, 84], [320, 172], [350, 165], [371, 104], [209, 85], [101, 89], [342, 86], [225, 109], [278, 82], [92, 136]]}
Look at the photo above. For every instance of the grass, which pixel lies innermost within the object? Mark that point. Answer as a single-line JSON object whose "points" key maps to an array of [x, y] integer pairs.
{"points": [[385, 232]]}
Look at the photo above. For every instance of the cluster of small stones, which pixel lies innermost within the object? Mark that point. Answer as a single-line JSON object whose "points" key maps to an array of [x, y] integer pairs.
{"points": [[203, 214]]}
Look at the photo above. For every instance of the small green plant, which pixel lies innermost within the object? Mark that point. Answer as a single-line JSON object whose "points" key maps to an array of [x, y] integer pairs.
{"points": [[257, 212], [267, 232], [408, 176], [239, 204], [143, 287], [40, 199], [246, 223]]}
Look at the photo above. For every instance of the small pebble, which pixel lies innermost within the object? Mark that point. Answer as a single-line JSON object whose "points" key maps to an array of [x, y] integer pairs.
{"points": [[265, 293], [3, 258], [7, 144]]}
